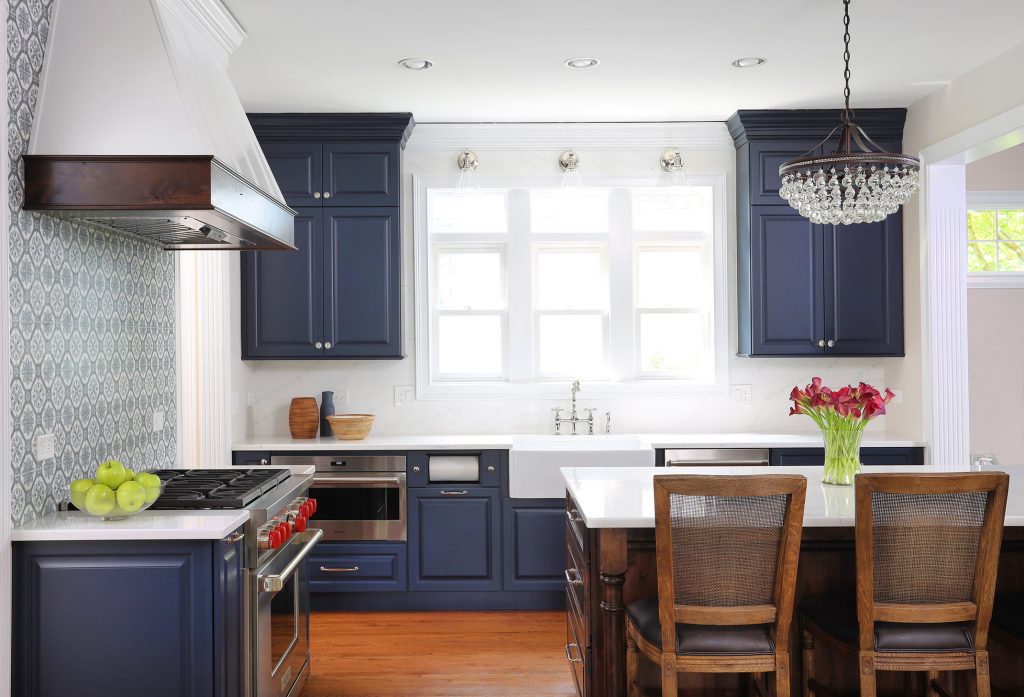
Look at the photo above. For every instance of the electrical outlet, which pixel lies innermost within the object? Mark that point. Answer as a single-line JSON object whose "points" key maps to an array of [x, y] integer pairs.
{"points": [[741, 394], [158, 420], [44, 447], [404, 395], [340, 397]]}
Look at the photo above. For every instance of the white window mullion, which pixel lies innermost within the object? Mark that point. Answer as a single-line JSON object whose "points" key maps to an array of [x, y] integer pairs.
{"points": [[520, 289], [621, 325]]}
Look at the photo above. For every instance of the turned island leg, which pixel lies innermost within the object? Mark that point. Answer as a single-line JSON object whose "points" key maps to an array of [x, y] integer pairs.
{"points": [[612, 574]]}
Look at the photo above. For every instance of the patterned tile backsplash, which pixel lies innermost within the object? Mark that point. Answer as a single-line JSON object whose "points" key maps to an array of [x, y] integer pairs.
{"points": [[93, 322]]}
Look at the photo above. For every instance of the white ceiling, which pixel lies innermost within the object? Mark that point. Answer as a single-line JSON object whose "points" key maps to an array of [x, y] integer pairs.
{"points": [[661, 59]]}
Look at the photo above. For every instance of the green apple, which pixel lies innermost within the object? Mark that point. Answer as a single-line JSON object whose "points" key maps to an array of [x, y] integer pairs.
{"points": [[152, 493], [131, 496], [79, 488], [112, 473], [100, 500], [148, 480], [128, 475]]}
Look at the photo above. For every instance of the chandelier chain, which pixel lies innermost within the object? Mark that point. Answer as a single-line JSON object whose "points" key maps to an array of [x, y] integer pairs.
{"points": [[846, 60]]}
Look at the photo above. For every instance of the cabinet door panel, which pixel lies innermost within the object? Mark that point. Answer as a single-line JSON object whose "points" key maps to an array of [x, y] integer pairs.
{"points": [[112, 618], [362, 174], [298, 169], [362, 271], [454, 540], [282, 295], [785, 283], [534, 544], [229, 620], [864, 288], [765, 159]]}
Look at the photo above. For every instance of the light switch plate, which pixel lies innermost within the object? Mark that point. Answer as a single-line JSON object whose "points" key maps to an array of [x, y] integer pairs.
{"points": [[741, 394], [44, 447], [404, 395], [158, 420], [340, 397]]}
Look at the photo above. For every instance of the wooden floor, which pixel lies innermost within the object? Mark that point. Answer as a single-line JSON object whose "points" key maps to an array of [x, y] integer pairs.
{"points": [[438, 654]]}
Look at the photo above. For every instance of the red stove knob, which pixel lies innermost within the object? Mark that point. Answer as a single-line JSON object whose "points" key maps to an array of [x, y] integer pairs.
{"points": [[312, 502], [300, 524], [307, 508], [275, 538]]}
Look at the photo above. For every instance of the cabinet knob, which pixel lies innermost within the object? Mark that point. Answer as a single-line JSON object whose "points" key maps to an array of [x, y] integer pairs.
{"points": [[416, 468], [490, 468], [327, 194], [318, 345], [327, 344], [831, 343], [264, 461], [316, 194], [821, 343]]}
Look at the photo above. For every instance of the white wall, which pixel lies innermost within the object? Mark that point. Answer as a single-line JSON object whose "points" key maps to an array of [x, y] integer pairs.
{"points": [[996, 345], [1003, 171], [981, 94], [270, 385]]}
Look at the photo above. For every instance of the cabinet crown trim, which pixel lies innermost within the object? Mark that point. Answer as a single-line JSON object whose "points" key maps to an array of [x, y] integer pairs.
{"points": [[801, 124], [365, 127]]}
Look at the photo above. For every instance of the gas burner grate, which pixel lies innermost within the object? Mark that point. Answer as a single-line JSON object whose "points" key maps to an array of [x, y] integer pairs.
{"points": [[224, 489]]}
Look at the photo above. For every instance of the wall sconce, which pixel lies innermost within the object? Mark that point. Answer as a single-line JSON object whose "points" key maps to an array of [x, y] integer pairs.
{"points": [[672, 163], [467, 162], [569, 161]]}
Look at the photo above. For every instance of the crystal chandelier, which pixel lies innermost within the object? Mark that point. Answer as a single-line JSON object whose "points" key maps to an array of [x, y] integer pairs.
{"points": [[860, 182]]}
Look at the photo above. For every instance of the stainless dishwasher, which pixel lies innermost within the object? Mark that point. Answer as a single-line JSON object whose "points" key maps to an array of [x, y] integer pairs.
{"points": [[717, 457]]}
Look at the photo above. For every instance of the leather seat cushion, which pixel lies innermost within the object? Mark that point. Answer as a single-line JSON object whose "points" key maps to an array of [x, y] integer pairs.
{"points": [[702, 639], [1008, 614], [837, 616]]}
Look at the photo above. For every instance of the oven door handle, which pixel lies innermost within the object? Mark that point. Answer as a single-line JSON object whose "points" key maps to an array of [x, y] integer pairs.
{"points": [[341, 481], [272, 583]]}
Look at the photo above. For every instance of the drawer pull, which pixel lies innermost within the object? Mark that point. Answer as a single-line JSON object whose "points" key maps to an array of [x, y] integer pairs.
{"points": [[574, 516], [573, 578], [454, 493], [568, 653], [339, 570]]}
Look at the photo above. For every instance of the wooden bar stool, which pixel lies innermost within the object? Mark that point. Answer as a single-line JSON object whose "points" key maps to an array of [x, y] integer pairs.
{"points": [[927, 552], [727, 552]]}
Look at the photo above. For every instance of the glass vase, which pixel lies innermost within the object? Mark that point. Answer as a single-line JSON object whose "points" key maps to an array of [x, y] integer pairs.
{"points": [[842, 455]]}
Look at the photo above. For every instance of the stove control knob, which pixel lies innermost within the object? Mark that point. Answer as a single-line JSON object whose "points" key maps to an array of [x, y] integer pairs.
{"points": [[300, 524], [313, 503], [263, 538], [307, 508], [285, 529]]}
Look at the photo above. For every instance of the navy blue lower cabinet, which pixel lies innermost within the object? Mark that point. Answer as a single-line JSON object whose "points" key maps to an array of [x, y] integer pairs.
{"points": [[123, 619], [454, 539], [534, 544], [350, 567], [815, 457]]}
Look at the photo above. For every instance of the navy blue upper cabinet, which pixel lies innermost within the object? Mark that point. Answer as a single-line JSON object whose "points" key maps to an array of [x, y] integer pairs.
{"points": [[166, 617], [340, 295], [362, 174], [803, 289], [454, 539], [298, 169], [282, 295], [362, 270]]}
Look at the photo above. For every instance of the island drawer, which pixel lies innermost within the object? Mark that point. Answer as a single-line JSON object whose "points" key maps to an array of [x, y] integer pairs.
{"points": [[576, 653], [359, 567], [577, 586], [574, 523]]}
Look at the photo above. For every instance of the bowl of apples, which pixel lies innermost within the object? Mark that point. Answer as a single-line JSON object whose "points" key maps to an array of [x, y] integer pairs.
{"points": [[115, 492]]}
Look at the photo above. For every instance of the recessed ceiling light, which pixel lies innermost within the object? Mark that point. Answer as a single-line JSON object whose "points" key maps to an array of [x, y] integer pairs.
{"points": [[416, 63], [583, 62], [748, 62]]}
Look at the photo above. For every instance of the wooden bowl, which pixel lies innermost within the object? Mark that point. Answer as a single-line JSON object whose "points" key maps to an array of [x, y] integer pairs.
{"points": [[351, 426]]}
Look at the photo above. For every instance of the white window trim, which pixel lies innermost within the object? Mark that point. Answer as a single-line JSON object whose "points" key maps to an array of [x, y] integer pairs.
{"points": [[993, 201], [428, 390]]}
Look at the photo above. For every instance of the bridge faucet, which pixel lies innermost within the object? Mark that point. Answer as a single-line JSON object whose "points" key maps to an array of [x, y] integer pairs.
{"points": [[573, 418]]}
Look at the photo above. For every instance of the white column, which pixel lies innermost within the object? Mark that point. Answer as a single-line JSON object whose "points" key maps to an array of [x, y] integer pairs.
{"points": [[204, 321], [947, 402]]}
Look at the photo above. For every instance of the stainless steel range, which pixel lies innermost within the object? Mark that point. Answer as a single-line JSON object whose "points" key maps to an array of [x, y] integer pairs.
{"points": [[277, 541]]}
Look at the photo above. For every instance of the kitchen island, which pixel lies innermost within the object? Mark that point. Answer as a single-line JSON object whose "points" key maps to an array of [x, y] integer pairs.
{"points": [[611, 562]]}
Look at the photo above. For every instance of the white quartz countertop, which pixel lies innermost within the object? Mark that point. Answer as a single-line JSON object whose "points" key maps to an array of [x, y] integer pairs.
{"points": [[623, 497], [507, 441], [149, 525]]}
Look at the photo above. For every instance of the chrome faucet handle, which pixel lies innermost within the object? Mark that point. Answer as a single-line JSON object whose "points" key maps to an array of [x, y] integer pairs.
{"points": [[589, 411], [590, 420], [558, 420], [608, 422]]}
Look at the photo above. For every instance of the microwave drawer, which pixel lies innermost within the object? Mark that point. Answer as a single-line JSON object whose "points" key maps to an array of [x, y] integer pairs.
{"points": [[335, 568]]}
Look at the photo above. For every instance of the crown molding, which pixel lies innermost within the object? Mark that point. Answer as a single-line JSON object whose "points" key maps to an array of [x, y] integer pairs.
{"points": [[804, 124], [352, 127], [692, 135]]}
